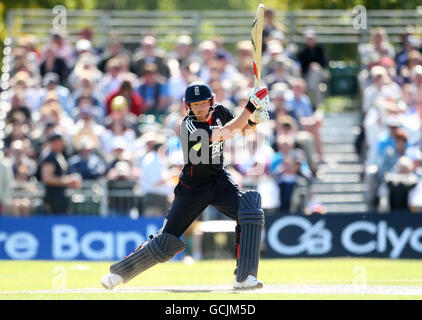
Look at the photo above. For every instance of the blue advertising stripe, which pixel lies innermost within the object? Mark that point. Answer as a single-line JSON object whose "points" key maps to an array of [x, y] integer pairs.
{"points": [[73, 238]]}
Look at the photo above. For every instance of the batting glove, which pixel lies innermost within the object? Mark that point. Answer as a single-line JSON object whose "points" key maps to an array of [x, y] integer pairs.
{"points": [[259, 98], [260, 116]]}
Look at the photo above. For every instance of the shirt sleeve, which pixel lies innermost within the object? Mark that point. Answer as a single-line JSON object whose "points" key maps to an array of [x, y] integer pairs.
{"points": [[230, 115], [198, 128], [227, 114]]}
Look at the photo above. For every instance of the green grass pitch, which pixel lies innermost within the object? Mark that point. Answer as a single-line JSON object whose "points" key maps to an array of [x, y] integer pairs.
{"points": [[343, 278]]}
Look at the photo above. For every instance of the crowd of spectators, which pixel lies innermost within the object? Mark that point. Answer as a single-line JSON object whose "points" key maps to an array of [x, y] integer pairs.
{"points": [[77, 113], [390, 143]]}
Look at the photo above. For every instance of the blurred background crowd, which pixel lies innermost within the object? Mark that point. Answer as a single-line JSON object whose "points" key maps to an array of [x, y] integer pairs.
{"points": [[390, 141], [95, 130]]}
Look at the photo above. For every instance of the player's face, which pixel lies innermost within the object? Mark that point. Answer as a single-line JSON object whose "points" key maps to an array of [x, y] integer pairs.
{"points": [[201, 109]]}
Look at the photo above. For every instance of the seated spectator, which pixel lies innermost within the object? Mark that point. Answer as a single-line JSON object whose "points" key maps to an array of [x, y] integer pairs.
{"points": [[270, 26], [313, 63], [409, 98], [88, 104], [117, 128], [52, 112], [416, 79], [391, 152], [243, 53], [119, 152], [51, 82], [240, 98], [408, 44], [29, 42], [134, 100], [219, 45], [251, 159], [83, 48], [85, 68], [18, 106], [22, 81], [87, 34], [271, 60], [154, 91], [225, 68], [246, 70], [149, 53], [126, 73], [123, 170], [274, 51], [181, 55], [414, 58], [87, 162], [17, 129], [378, 43], [298, 103], [40, 137], [380, 124], [277, 106], [154, 180], [172, 123], [221, 94], [400, 181], [54, 64], [114, 48], [287, 176], [21, 162], [54, 175], [63, 49], [19, 60], [207, 50], [7, 183], [87, 125], [286, 144], [236, 88], [24, 170], [304, 140], [120, 110], [177, 83], [214, 71], [111, 80], [364, 76], [121, 178], [85, 87], [280, 74]]}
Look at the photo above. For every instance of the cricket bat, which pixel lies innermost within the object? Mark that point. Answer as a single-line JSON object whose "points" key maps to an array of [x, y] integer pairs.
{"points": [[256, 33]]}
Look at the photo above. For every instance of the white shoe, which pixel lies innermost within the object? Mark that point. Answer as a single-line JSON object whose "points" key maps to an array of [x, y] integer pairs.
{"points": [[111, 280], [249, 283]]}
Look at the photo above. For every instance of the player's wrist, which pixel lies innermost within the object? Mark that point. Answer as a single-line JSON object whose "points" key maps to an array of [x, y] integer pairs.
{"points": [[250, 107], [251, 123]]}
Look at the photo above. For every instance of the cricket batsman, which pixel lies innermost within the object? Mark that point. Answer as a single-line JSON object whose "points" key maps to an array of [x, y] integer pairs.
{"points": [[204, 181]]}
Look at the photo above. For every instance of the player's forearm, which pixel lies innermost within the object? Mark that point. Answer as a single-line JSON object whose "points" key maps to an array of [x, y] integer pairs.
{"points": [[248, 130], [54, 181], [232, 128], [239, 122]]}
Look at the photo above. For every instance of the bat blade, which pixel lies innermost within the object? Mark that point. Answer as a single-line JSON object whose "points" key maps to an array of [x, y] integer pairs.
{"points": [[256, 33]]}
